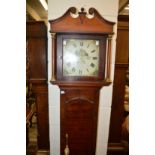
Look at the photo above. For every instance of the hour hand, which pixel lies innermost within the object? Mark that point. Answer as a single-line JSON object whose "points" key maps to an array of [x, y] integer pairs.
{"points": [[88, 57], [86, 54]]}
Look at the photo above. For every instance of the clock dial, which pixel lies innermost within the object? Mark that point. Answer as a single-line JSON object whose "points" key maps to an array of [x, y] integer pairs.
{"points": [[80, 57]]}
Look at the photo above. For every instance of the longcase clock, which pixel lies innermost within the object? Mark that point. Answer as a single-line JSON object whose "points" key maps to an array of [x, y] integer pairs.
{"points": [[81, 58]]}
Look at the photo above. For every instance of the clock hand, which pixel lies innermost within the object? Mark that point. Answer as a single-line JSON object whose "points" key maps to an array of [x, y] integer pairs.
{"points": [[86, 54], [88, 57]]}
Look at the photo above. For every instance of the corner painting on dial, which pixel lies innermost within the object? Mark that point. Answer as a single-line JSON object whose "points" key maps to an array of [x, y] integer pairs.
{"points": [[80, 57]]}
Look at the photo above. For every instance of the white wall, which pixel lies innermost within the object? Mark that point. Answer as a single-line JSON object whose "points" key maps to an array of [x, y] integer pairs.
{"points": [[108, 9]]}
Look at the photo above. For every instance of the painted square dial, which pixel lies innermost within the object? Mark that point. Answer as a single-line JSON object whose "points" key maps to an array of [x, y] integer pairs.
{"points": [[80, 57]]}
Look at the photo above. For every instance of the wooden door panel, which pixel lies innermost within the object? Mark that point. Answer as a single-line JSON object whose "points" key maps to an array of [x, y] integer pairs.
{"points": [[122, 48], [37, 57], [42, 120], [118, 105]]}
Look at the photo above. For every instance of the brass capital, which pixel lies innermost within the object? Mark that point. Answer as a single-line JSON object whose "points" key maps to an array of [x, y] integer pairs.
{"points": [[109, 36], [53, 35]]}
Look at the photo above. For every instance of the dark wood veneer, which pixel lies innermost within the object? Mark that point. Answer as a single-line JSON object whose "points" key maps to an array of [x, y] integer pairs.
{"points": [[36, 29], [121, 66], [37, 55], [36, 36], [42, 116]]}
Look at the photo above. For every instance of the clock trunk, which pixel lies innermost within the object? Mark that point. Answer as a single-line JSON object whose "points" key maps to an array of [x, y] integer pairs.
{"points": [[79, 111]]}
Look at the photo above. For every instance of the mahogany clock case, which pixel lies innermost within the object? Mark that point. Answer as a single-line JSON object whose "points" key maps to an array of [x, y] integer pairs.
{"points": [[79, 94], [102, 56]]}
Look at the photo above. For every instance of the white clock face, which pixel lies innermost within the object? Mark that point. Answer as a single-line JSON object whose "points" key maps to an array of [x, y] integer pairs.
{"points": [[80, 57]]}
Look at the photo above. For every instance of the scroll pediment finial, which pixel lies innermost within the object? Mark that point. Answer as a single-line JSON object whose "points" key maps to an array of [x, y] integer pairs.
{"points": [[82, 9], [82, 15], [73, 10], [91, 11]]}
